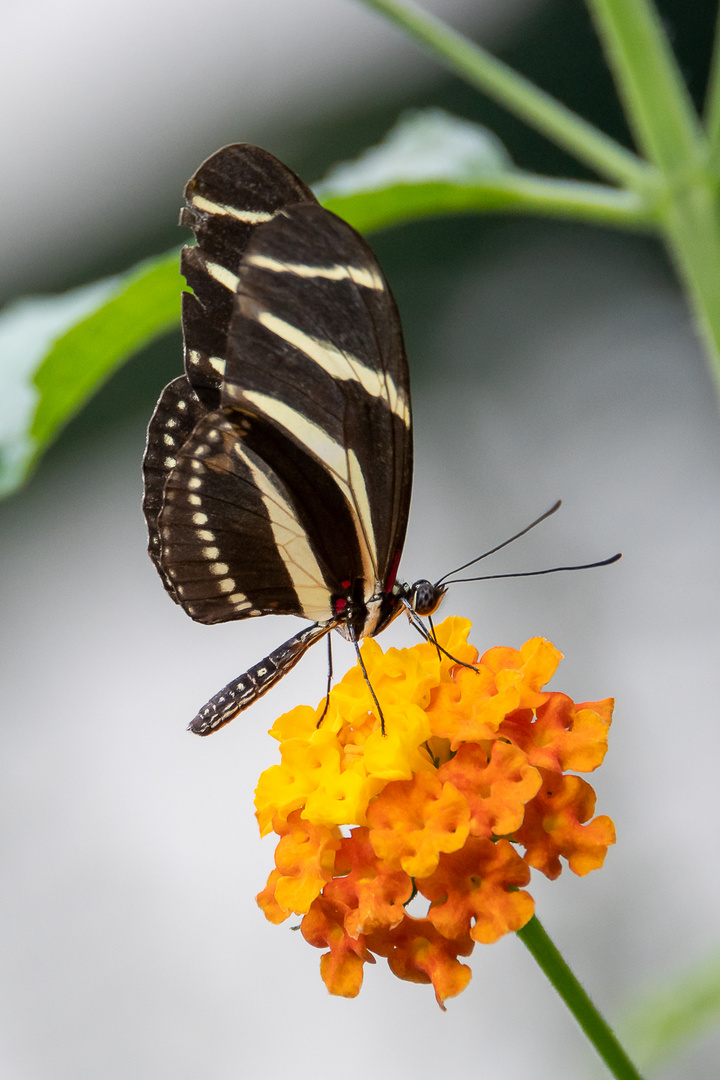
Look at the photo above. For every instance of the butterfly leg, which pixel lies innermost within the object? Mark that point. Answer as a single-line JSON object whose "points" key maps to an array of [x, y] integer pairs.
{"points": [[329, 682], [247, 688], [416, 621], [434, 637], [353, 638]]}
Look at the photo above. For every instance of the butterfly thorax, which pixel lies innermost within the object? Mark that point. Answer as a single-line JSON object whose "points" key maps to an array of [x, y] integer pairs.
{"points": [[361, 617]]}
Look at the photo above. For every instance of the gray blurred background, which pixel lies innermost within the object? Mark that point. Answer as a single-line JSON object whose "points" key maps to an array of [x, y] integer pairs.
{"points": [[548, 360]]}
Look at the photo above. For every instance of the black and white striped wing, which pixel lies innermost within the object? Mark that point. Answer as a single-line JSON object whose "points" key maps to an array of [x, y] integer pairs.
{"points": [[315, 356], [234, 191], [233, 543], [286, 483], [176, 414]]}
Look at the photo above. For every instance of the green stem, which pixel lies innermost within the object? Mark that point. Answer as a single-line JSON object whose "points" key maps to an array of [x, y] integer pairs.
{"points": [[661, 114], [537, 108], [516, 193], [657, 103], [712, 101], [534, 937], [574, 200]]}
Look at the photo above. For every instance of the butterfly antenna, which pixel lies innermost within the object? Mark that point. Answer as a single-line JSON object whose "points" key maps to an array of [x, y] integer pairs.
{"points": [[555, 507], [537, 573]]}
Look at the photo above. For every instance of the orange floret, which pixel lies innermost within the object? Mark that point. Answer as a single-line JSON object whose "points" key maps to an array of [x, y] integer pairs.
{"points": [[412, 821], [417, 952], [554, 825], [371, 893], [496, 783], [563, 735], [476, 891], [304, 861], [341, 968], [474, 704]]}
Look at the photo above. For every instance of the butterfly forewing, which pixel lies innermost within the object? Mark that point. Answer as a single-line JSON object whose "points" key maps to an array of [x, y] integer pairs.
{"points": [[232, 192], [315, 347]]}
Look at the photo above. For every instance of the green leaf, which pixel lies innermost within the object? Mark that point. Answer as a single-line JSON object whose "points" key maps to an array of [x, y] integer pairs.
{"points": [[429, 163], [425, 144], [55, 352], [432, 163], [678, 1014]]}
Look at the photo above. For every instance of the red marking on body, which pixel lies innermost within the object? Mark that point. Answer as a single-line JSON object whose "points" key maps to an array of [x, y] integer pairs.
{"points": [[392, 573]]}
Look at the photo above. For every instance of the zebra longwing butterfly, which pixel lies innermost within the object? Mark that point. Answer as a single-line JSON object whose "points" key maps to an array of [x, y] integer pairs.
{"points": [[278, 468]]}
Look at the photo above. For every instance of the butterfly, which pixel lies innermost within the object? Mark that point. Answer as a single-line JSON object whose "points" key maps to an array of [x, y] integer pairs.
{"points": [[278, 468]]}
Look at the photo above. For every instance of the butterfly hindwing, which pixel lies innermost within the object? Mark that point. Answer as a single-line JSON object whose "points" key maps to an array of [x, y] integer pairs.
{"points": [[172, 423], [232, 542]]}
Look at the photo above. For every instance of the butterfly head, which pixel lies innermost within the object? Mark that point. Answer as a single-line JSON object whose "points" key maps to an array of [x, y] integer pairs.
{"points": [[425, 598]]}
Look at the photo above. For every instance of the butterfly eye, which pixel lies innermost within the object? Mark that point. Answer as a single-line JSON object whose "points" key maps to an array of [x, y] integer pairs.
{"points": [[425, 597]]}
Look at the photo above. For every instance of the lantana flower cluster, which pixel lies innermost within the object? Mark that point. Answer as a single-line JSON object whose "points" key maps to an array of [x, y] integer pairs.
{"points": [[470, 786]]}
